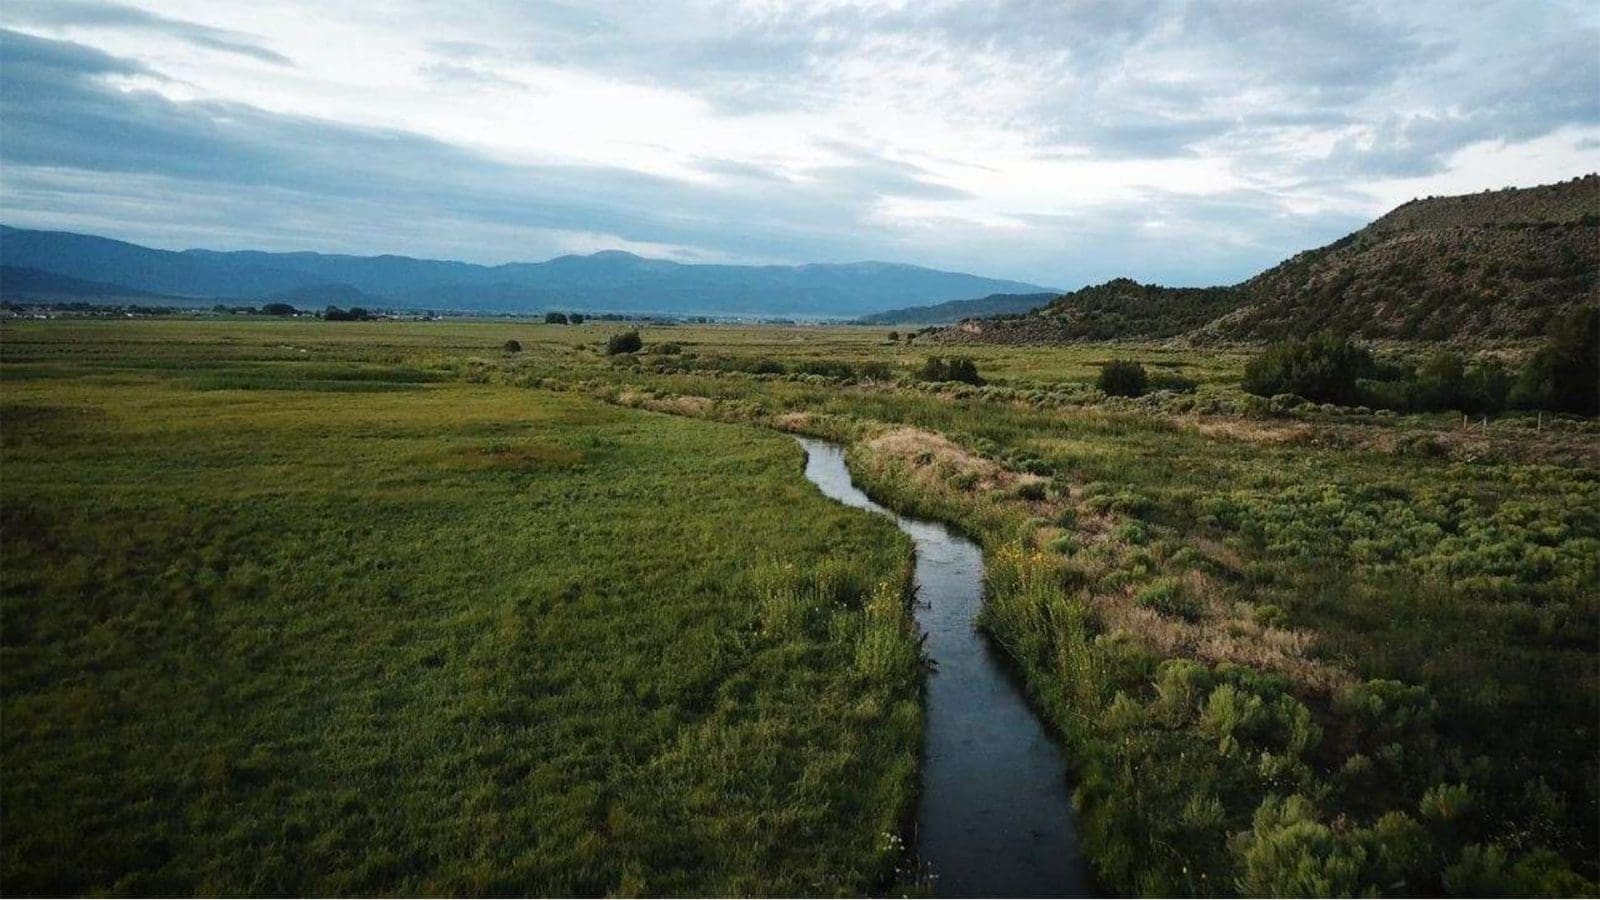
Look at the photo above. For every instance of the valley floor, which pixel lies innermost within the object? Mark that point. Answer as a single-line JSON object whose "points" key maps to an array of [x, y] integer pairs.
{"points": [[377, 607]]}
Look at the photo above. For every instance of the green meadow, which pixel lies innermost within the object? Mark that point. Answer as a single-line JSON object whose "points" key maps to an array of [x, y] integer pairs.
{"points": [[301, 606], [350, 626]]}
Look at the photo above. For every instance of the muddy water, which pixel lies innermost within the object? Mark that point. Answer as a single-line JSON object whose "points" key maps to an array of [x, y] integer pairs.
{"points": [[994, 819]]}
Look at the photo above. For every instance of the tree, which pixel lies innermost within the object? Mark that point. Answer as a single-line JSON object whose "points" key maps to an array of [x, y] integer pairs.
{"points": [[278, 309], [626, 342], [1123, 378], [555, 318], [575, 318], [1565, 374]]}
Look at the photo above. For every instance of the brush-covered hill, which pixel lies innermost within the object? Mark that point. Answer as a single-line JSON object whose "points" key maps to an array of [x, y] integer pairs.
{"points": [[956, 310], [1490, 266]]}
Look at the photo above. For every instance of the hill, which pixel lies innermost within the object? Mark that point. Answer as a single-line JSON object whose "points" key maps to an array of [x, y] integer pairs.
{"points": [[1490, 266], [956, 310], [611, 281], [21, 282]]}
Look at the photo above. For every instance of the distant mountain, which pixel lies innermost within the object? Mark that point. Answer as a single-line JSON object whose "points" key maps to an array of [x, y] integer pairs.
{"points": [[612, 281], [37, 284], [1494, 265], [956, 310], [322, 295]]}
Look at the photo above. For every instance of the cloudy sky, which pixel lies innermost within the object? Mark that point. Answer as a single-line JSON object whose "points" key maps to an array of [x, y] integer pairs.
{"points": [[1053, 141]]}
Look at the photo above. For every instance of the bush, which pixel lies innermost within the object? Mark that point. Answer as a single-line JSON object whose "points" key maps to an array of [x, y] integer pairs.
{"points": [[1323, 367], [555, 318], [957, 368], [894, 337], [1562, 375], [1166, 596], [877, 371], [575, 318], [667, 349], [1123, 378], [278, 309], [626, 342], [512, 346]]}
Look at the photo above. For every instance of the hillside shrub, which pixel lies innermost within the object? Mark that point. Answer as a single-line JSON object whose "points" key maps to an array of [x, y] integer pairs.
{"points": [[1122, 378], [555, 318]]}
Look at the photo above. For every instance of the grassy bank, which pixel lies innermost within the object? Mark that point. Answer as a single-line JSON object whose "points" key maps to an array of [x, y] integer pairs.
{"points": [[276, 626]]}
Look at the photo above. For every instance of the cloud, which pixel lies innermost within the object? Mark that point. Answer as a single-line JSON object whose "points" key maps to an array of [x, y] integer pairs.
{"points": [[100, 14], [1052, 141]]}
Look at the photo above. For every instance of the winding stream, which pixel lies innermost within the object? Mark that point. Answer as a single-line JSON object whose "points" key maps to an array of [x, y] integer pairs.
{"points": [[994, 819]]}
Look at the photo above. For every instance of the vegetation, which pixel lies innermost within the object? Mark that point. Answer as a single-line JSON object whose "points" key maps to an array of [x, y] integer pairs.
{"points": [[1562, 376], [512, 346], [1323, 367], [1122, 378], [626, 342], [1290, 647], [1492, 266], [957, 368], [555, 318], [353, 314], [261, 640]]}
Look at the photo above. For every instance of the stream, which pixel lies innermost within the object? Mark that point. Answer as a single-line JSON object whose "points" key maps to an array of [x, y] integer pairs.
{"points": [[994, 818]]}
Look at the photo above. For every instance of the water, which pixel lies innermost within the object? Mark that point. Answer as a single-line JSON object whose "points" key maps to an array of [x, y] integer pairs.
{"points": [[994, 819]]}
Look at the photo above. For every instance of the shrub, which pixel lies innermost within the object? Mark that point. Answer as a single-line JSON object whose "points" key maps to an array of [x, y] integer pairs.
{"points": [[626, 342], [894, 337], [575, 318], [1561, 376], [555, 318], [512, 346], [828, 368], [1122, 378], [1031, 490], [877, 371], [278, 309], [1323, 367], [954, 369], [1166, 596], [1446, 802], [1288, 853]]}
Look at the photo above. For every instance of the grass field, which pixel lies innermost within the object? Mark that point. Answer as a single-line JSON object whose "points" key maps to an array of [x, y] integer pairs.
{"points": [[1303, 651], [284, 628]]}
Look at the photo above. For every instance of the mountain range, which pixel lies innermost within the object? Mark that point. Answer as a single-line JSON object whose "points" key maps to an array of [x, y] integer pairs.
{"points": [[1493, 265], [609, 281]]}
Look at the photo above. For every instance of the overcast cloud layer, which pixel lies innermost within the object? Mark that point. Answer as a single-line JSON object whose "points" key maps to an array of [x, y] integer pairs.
{"points": [[1056, 142]]}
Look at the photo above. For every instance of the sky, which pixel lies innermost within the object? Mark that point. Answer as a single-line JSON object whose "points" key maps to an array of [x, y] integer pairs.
{"points": [[1052, 141]]}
